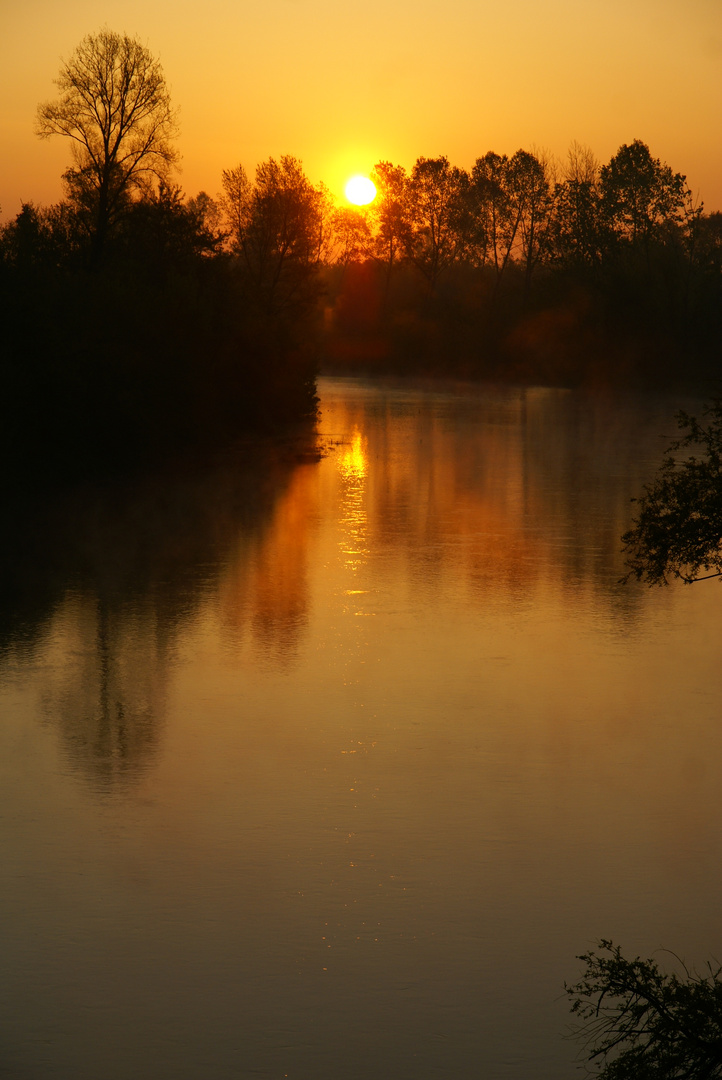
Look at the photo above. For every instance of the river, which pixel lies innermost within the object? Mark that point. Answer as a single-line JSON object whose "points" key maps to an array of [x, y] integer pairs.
{"points": [[329, 769]]}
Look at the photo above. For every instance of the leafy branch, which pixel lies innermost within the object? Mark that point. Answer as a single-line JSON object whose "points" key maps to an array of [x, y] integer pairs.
{"points": [[678, 531], [637, 1022]]}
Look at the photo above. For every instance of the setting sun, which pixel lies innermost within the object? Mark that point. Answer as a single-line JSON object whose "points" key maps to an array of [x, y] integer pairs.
{"points": [[360, 190]]}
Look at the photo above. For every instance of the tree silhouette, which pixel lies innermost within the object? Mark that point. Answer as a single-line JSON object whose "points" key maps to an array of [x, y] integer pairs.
{"points": [[281, 234], [678, 531], [530, 191], [575, 226], [236, 204], [352, 235], [436, 192], [639, 1023], [641, 197], [115, 108], [391, 214], [496, 214]]}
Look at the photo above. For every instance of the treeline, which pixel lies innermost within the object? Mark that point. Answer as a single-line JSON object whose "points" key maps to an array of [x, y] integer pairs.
{"points": [[529, 269], [134, 316]]}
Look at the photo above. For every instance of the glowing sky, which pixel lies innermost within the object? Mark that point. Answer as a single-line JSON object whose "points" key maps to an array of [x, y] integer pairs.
{"points": [[342, 86]]}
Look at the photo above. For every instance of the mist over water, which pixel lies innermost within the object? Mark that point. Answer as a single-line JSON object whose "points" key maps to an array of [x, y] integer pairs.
{"points": [[330, 768]]}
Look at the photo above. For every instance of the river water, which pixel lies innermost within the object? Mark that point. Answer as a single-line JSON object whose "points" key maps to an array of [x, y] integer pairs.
{"points": [[328, 769]]}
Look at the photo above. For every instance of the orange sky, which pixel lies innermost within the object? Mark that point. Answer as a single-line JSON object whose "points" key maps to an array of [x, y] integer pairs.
{"points": [[343, 86]]}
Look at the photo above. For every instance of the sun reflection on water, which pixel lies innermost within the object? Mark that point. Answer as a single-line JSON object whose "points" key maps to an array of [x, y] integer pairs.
{"points": [[353, 462], [353, 466]]}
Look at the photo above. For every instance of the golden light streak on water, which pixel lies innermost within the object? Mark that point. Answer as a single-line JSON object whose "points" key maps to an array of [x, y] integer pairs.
{"points": [[353, 467]]}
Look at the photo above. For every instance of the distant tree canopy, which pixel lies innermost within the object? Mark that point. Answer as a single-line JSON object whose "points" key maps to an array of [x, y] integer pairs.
{"points": [[678, 530], [524, 210], [542, 269], [640, 1023]]}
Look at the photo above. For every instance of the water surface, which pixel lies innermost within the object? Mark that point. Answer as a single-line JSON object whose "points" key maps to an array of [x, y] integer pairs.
{"points": [[328, 769]]}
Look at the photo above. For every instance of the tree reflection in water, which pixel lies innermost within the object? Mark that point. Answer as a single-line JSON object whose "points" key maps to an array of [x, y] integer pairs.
{"points": [[369, 748], [100, 582]]}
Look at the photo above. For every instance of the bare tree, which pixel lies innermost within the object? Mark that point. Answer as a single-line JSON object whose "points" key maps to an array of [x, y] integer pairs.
{"points": [[581, 166], [115, 108]]}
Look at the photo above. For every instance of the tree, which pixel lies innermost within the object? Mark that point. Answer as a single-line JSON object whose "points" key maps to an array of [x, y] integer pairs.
{"points": [[236, 203], [390, 210], [42, 240], [639, 1023], [709, 228], [436, 193], [282, 234], [115, 108], [678, 531], [351, 235], [641, 197], [581, 165], [648, 228], [167, 234], [24, 242], [497, 213], [528, 182], [575, 226]]}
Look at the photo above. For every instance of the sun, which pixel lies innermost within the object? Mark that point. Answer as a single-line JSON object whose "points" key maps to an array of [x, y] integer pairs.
{"points": [[360, 190]]}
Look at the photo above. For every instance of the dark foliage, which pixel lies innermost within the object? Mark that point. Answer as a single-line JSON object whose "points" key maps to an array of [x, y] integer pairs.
{"points": [[678, 530], [128, 328], [640, 1023], [160, 346]]}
